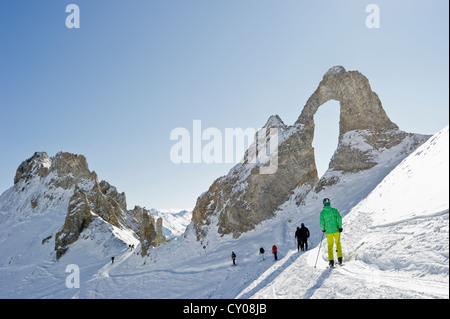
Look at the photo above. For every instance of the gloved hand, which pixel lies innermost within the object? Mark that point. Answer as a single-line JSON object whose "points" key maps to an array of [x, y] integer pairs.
{"points": [[340, 230], [323, 231]]}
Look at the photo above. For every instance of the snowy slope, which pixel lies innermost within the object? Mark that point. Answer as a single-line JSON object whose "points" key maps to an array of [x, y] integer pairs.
{"points": [[184, 268], [28, 267], [395, 242], [391, 250]]}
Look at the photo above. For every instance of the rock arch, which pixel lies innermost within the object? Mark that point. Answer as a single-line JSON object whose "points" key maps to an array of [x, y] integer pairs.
{"points": [[243, 198], [361, 108], [361, 112]]}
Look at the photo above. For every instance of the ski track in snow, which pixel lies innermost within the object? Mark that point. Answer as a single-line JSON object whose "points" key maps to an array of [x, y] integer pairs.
{"points": [[355, 280], [269, 275]]}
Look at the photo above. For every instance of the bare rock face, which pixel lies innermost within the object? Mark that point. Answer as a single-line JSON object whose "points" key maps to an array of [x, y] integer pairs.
{"points": [[239, 201], [150, 232], [246, 196], [78, 218], [364, 128], [111, 191], [86, 204], [70, 165], [360, 110]]}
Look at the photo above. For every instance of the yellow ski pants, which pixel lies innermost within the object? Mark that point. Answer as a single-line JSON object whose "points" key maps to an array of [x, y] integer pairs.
{"points": [[331, 238]]}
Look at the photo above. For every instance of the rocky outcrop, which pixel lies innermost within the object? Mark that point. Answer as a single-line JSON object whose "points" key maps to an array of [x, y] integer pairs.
{"points": [[86, 204], [78, 218], [360, 107], [150, 232], [243, 198], [89, 199], [360, 111]]}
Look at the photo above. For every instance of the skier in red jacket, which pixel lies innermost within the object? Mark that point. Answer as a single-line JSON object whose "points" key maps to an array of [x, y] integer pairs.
{"points": [[274, 251]]}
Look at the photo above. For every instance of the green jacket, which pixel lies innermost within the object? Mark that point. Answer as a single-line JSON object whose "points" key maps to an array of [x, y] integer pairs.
{"points": [[330, 220]]}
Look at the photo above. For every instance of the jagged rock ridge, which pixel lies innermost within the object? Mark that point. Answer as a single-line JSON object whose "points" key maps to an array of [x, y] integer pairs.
{"points": [[89, 199], [239, 201]]}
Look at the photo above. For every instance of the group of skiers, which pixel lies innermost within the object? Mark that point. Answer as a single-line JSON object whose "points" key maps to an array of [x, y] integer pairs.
{"points": [[261, 253], [330, 224], [302, 235]]}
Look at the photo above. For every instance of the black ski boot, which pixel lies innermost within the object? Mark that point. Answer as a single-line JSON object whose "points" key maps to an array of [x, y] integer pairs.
{"points": [[340, 261], [331, 264]]}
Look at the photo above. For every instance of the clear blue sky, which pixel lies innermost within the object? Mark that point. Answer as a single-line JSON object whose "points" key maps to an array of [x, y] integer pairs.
{"points": [[115, 88]]}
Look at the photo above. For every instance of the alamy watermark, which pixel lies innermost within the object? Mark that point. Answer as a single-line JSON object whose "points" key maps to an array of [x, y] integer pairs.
{"points": [[73, 19], [233, 145], [373, 19], [73, 279]]}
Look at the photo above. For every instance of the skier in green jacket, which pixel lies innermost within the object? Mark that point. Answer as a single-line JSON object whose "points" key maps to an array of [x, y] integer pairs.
{"points": [[331, 224]]}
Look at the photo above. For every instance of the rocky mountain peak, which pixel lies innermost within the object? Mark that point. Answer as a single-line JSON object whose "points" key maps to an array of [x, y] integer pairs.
{"points": [[64, 182], [37, 165], [274, 121], [335, 70], [68, 168], [68, 164], [244, 197]]}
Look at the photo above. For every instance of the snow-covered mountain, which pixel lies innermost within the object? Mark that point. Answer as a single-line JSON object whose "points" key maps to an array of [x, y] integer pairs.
{"points": [[395, 243], [174, 222], [390, 186], [57, 209]]}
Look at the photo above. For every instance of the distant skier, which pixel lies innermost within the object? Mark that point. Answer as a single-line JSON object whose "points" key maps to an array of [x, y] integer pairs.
{"points": [[233, 256], [331, 224], [302, 235], [112, 260], [274, 252], [261, 252]]}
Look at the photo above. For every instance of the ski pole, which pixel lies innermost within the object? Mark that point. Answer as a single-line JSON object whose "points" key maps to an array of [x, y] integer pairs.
{"points": [[319, 250]]}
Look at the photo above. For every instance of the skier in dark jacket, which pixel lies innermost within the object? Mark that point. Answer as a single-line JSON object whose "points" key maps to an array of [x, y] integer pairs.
{"points": [[261, 252], [302, 235], [233, 256]]}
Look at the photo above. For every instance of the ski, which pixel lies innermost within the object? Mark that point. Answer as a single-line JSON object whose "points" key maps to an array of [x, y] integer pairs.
{"points": [[335, 265]]}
